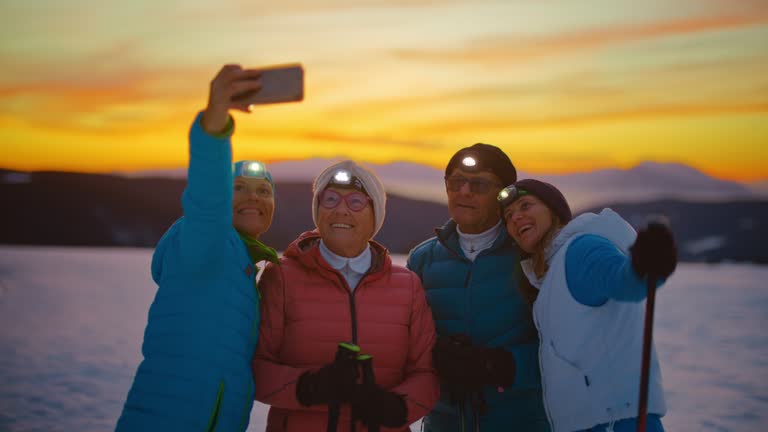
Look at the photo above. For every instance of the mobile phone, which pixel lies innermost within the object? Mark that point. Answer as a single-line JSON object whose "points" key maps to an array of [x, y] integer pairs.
{"points": [[280, 83]]}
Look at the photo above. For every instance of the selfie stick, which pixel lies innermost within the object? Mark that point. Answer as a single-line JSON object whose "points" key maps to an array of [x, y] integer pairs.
{"points": [[646, 366]]}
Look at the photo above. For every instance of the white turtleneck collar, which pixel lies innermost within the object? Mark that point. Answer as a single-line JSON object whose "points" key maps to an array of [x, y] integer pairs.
{"points": [[473, 244], [353, 268]]}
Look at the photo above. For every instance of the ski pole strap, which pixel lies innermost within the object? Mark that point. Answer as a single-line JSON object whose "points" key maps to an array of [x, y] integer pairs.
{"points": [[478, 408]]}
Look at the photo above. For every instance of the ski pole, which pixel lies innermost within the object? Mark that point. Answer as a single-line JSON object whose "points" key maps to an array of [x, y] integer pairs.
{"points": [[478, 407], [345, 352], [646, 365], [366, 361]]}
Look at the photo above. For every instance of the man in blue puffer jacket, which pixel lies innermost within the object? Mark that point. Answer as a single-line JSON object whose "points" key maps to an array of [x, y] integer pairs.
{"points": [[203, 324], [487, 349]]}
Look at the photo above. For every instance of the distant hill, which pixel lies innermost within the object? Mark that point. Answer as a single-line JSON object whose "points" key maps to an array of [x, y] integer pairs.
{"points": [[52, 208], [710, 232], [643, 182]]}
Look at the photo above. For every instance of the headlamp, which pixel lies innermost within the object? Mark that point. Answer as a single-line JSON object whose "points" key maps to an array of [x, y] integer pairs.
{"points": [[509, 194], [342, 177], [252, 169], [255, 168], [345, 179], [469, 162], [248, 168]]}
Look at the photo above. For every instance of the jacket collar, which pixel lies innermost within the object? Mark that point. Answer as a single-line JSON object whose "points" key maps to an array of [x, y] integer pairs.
{"points": [[258, 250], [449, 237], [359, 264], [306, 250]]}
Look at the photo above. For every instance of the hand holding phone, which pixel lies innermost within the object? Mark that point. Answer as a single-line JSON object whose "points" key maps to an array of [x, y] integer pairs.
{"points": [[282, 83], [235, 88]]}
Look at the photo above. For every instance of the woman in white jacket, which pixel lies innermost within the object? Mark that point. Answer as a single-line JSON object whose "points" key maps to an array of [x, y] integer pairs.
{"points": [[588, 279]]}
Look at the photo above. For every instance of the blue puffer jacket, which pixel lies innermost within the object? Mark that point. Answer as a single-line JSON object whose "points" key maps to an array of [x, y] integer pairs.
{"points": [[203, 324], [482, 300]]}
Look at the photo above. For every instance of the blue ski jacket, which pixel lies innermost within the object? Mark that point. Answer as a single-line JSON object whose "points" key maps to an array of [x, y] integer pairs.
{"points": [[482, 300], [202, 327]]}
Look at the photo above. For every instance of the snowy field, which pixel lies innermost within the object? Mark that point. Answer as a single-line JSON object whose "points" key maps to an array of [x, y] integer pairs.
{"points": [[71, 323]]}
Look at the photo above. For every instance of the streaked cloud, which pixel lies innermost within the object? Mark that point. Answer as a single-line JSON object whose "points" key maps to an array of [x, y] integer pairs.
{"points": [[524, 48], [564, 86]]}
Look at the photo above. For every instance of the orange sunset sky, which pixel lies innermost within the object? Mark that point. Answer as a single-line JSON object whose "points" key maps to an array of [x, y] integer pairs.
{"points": [[560, 85]]}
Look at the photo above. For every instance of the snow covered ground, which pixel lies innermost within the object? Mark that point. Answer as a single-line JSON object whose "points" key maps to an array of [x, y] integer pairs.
{"points": [[71, 323]]}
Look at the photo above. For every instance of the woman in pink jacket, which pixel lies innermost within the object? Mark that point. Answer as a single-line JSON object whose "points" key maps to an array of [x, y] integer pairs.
{"points": [[335, 285]]}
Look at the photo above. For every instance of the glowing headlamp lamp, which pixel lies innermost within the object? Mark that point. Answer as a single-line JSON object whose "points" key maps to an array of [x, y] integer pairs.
{"points": [[252, 169], [342, 177], [469, 162], [509, 194], [345, 179]]}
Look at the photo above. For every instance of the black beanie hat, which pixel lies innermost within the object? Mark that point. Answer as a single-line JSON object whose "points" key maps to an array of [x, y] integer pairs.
{"points": [[488, 158], [547, 193]]}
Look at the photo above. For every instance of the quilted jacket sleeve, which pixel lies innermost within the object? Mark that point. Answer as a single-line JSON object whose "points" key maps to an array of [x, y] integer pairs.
{"points": [[207, 199]]}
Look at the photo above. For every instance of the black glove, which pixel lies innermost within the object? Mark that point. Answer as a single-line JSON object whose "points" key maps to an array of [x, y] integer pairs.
{"points": [[499, 367], [334, 382], [465, 368], [372, 404], [654, 251], [454, 358]]}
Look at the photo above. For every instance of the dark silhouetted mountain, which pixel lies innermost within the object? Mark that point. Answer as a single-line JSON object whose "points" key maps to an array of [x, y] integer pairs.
{"points": [[643, 182], [52, 208], [710, 232]]}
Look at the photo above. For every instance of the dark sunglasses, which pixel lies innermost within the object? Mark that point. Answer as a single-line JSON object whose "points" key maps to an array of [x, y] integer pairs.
{"points": [[356, 201], [476, 185]]}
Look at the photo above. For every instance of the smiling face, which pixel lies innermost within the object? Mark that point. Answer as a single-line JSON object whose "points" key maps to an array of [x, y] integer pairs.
{"points": [[253, 204], [345, 232], [528, 221], [474, 212]]}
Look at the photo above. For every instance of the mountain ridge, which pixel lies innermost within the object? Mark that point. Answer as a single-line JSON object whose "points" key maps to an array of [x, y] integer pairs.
{"points": [[50, 208], [642, 182]]}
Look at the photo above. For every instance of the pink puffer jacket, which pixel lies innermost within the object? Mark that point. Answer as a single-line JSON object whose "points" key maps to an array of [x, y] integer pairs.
{"points": [[307, 309]]}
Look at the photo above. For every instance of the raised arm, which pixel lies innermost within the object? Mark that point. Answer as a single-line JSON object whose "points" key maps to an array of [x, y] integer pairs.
{"points": [[207, 199], [597, 270]]}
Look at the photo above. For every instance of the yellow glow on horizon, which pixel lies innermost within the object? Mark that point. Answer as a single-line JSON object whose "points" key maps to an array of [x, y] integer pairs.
{"points": [[695, 141], [593, 88]]}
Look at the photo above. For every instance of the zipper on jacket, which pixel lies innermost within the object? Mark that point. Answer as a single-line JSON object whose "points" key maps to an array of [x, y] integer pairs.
{"points": [[352, 308], [469, 321], [468, 324], [353, 316], [352, 304]]}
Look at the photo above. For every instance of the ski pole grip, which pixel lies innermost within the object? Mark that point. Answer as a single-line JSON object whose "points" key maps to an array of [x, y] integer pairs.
{"points": [[346, 351], [369, 380]]}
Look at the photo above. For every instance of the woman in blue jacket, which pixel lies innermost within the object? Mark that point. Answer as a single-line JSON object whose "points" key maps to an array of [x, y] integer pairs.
{"points": [[203, 324], [588, 277]]}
